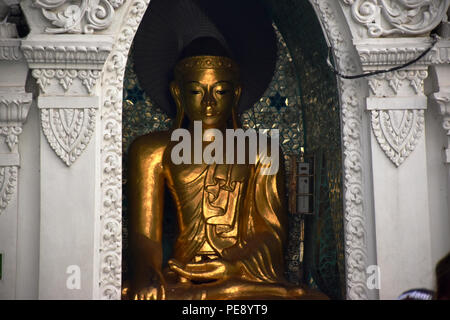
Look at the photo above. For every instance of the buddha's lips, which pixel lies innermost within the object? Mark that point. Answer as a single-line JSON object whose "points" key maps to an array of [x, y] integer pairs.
{"points": [[210, 114]]}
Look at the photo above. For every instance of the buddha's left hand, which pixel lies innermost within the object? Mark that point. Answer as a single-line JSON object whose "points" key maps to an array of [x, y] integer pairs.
{"points": [[209, 270]]}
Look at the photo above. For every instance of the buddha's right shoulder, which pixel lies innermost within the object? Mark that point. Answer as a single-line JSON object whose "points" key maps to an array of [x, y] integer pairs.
{"points": [[151, 144]]}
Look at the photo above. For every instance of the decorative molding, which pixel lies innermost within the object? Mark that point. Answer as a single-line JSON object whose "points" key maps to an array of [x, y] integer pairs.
{"points": [[405, 17], [65, 78], [110, 252], [68, 131], [396, 125], [11, 135], [352, 100], [394, 81], [442, 99], [397, 98], [9, 44], [71, 56], [8, 185], [389, 52], [67, 69], [398, 132], [10, 49], [84, 17], [441, 52], [14, 108], [89, 79]]}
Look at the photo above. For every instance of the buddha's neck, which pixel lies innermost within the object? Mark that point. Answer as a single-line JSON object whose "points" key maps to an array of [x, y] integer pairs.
{"points": [[205, 127]]}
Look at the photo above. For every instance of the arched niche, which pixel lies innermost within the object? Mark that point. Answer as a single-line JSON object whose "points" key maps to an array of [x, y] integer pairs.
{"points": [[358, 232]]}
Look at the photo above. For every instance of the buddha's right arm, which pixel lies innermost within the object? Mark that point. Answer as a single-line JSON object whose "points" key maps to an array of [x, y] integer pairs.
{"points": [[145, 210]]}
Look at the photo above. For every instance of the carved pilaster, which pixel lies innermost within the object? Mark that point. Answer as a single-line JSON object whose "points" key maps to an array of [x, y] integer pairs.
{"points": [[396, 99], [14, 106], [67, 72], [439, 85], [14, 109], [442, 100]]}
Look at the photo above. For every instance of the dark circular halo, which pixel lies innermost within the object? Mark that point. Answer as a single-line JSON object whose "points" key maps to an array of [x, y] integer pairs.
{"points": [[242, 26]]}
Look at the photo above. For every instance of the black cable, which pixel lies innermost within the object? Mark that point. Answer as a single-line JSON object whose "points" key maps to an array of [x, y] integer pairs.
{"points": [[424, 53]]}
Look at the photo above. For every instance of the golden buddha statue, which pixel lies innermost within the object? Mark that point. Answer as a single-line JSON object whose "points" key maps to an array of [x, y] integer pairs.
{"points": [[231, 218]]}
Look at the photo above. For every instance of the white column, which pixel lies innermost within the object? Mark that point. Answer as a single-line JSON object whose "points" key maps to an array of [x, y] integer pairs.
{"points": [[396, 107], [14, 107], [66, 68], [439, 155]]}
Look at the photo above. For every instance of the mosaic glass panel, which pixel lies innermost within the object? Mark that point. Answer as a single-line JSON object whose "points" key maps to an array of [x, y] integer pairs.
{"points": [[324, 248]]}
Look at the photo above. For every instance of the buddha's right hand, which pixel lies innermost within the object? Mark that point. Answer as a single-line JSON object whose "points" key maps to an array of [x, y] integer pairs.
{"points": [[150, 293]]}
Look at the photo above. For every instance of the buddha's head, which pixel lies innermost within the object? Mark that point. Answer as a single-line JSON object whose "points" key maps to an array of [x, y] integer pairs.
{"points": [[206, 86]]}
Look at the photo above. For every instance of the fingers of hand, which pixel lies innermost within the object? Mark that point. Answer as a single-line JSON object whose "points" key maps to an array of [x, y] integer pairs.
{"points": [[150, 293], [200, 271]]}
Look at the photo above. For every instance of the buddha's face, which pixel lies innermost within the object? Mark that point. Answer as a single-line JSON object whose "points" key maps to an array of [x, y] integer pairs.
{"points": [[208, 95]]}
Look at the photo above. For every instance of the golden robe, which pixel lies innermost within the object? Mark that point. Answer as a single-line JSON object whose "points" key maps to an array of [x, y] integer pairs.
{"points": [[229, 212]]}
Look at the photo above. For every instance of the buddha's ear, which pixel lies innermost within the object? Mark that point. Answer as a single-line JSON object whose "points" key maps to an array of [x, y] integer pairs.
{"points": [[176, 94], [234, 112]]}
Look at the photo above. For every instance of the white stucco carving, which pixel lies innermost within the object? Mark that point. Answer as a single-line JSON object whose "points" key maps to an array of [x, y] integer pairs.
{"points": [[442, 99], [398, 132], [406, 17], [83, 16], [65, 78], [14, 107], [397, 98], [8, 185], [74, 54], [352, 113], [111, 180], [395, 82], [70, 69], [68, 130]]}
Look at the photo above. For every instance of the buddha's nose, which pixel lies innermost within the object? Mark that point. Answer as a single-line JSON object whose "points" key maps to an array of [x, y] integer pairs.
{"points": [[209, 104]]}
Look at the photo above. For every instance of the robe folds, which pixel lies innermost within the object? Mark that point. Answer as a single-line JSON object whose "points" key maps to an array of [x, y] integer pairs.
{"points": [[231, 211]]}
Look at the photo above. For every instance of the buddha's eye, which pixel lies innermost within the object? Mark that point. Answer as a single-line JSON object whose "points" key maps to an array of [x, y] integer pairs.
{"points": [[196, 92], [221, 92]]}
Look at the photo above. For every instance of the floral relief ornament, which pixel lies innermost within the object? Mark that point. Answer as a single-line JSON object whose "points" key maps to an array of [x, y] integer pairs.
{"points": [[11, 134], [68, 131], [85, 16], [398, 132], [8, 184], [356, 255], [65, 78], [386, 17]]}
